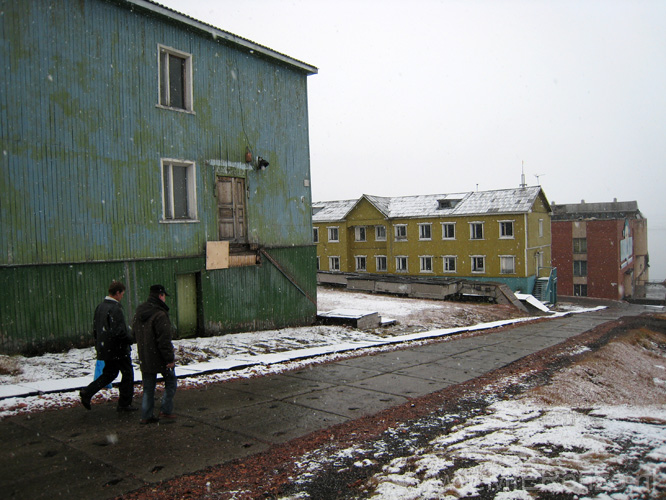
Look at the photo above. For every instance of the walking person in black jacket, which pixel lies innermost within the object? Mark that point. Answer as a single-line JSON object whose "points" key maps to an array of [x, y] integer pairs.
{"points": [[113, 344], [152, 329]]}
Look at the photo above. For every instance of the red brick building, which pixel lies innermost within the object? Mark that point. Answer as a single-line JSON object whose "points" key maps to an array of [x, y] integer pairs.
{"points": [[600, 249]]}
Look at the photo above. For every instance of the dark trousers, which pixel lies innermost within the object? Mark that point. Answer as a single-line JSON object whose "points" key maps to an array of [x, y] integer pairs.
{"points": [[111, 369]]}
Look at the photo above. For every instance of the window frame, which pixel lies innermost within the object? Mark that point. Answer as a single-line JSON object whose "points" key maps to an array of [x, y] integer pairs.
{"points": [[503, 226], [361, 262], [472, 232], [164, 91], [379, 237], [329, 231], [334, 259], [360, 233], [513, 264], [582, 242], [580, 268], [168, 195], [446, 259], [425, 227], [451, 225], [315, 235], [398, 260], [379, 268], [398, 229], [579, 288], [426, 259], [478, 269]]}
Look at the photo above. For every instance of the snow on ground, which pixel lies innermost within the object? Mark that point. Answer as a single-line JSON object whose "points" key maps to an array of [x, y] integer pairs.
{"points": [[412, 315]]}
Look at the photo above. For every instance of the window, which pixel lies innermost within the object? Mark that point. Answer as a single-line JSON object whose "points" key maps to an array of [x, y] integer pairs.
{"points": [[315, 234], [507, 264], [400, 232], [580, 245], [380, 261], [426, 263], [334, 263], [318, 263], [425, 231], [506, 229], [401, 264], [175, 79], [449, 263], [540, 228], [478, 264], [380, 233], [580, 268], [580, 290], [476, 230], [360, 262], [448, 230], [359, 232], [333, 235], [178, 191]]}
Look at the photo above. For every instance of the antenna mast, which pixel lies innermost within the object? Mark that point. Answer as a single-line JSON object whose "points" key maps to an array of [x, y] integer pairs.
{"points": [[523, 184]]}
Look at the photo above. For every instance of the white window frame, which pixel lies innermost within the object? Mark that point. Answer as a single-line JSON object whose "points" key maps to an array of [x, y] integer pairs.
{"points": [[330, 230], [168, 196], [361, 262], [379, 268], [163, 97], [315, 234], [478, 269], [447, 259], [398, 267], [360, 233], [448, 224], [334, 263], [503, 260], [426, 263], [474, 224], [423, 228], [398, 228], [380, 233], [503, 225]]}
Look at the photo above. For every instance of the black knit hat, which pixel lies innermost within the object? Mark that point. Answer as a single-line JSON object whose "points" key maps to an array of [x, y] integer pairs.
{"points": [[158, 290]]}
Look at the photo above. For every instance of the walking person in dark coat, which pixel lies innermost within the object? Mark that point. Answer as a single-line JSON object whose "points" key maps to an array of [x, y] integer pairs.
{"points": [[152, 329], [113, 344]]}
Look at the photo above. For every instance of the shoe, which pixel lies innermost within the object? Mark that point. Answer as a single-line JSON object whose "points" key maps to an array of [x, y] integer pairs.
{"points": [[126, 408], [85, 400], [167, 415], [151, 420]]}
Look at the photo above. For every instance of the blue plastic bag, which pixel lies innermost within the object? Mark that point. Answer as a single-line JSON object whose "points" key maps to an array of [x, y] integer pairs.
{"points": [[99, 367]]}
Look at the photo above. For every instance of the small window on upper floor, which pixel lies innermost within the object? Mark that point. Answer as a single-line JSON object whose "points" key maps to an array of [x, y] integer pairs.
{"points": [[400, 232], [315, 234], [333, 235], [506, 229], [380, 233], [448, 230], [476, 230], [359, 233], [175, 79], [425, 231]]}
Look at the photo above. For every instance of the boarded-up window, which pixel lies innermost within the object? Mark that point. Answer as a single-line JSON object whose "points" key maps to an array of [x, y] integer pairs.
{"points": [[231, 216]]}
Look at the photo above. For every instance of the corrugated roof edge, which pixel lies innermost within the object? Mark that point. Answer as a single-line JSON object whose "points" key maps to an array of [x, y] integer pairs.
{"points": [[218, 33]]}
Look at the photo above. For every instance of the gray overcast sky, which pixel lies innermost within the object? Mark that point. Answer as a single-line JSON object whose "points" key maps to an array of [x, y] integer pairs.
{"points": [[424, 96]]}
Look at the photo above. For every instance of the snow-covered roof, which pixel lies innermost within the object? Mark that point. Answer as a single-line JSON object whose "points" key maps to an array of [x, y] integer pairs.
{"points": [[501, 201]]}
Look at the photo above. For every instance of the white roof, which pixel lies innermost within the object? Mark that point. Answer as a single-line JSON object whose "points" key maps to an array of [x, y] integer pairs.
{"points": [[502, 201]]}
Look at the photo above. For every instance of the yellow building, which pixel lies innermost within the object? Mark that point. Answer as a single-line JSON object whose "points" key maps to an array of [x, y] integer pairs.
{"points": [[501, 236]]}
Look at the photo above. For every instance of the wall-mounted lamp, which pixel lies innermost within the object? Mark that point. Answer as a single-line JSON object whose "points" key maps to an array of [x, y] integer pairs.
{"points": [[261, 163]]}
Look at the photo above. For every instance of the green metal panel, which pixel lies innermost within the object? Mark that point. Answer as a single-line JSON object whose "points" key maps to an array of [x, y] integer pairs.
{"points": [[51, 307]]}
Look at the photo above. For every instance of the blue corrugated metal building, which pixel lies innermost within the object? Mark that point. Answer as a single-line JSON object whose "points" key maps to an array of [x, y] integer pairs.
{"points": [[142, 145]]}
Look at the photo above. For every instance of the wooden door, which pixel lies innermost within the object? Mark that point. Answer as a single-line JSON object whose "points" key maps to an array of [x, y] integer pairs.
{"points": [[231, 209]]}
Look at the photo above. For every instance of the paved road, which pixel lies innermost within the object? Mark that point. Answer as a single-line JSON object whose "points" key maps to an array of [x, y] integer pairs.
{"points": [[76, 453]]}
